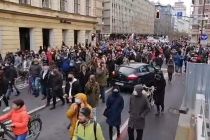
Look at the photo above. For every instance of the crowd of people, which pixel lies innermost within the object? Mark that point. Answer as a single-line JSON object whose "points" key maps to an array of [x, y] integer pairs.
{"points": [[85, 72]]}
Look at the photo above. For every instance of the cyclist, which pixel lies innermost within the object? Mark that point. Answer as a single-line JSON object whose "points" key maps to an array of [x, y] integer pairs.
{"points": [[20, 119]]}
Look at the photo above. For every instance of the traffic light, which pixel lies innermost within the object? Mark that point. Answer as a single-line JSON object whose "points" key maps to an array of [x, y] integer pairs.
{"points": [[158, 14]]}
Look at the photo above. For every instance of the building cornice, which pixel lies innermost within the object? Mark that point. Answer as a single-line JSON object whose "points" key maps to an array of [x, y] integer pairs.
{"points": [[27, 10]]}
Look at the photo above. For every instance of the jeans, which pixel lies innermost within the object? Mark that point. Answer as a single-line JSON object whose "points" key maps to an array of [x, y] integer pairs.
{"points": [[36, 86], [131, 134], [102, 92], [21, 137]]}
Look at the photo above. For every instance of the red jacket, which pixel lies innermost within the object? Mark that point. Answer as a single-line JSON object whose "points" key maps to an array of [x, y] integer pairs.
{"points": [[20, 120]]}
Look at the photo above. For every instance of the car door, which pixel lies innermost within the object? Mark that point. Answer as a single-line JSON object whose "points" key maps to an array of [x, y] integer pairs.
{"points": [[143, 75], [151, 74]]}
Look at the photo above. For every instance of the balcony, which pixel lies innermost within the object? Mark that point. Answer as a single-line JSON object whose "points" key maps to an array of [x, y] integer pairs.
{"points": [[27, 2]]}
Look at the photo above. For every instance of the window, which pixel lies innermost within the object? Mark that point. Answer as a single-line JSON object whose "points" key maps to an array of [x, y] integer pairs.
{"points": [[63, 4], [151, 69], [46, 3], [25, 2], [143, 69], [87, 7], [200, 1], [76, 6]]}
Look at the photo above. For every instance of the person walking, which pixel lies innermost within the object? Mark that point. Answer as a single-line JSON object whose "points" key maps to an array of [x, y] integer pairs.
{"points": [[35, 71], [11, 74], [170, 69], [114, 107], [159, 93], [56, 88], [73, 111], [101, 78], [138, 109], [83, 77], [45, 75], [86, 128], [72, 88], [20, 119], [3, 90], [92, 90]]}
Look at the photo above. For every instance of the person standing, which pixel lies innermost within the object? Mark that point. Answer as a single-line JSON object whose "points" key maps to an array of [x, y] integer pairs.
{"points": [[159, 93], [170, 69], [73, 111], [56, 88], [3, 90], [114, 107], [92, 90], [138, 109], [86, 128], [101, 78]]}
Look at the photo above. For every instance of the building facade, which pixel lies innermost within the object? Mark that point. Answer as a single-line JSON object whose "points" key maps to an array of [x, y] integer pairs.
{"points": [[181, 22], [164, 25], [197, 15], [128, 16], [29, 24]]}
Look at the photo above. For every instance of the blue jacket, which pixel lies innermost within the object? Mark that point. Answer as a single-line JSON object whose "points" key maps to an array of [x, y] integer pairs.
{"points": [[115, 105]]}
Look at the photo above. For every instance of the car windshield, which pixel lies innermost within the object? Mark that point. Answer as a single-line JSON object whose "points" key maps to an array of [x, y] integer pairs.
{"points": [[127, 70]]}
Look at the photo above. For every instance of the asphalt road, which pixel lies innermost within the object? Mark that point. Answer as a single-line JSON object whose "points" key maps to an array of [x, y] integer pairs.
{"points": [[157, 128]]}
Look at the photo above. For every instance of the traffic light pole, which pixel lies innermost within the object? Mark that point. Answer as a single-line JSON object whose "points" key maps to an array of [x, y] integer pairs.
{"points": [[202, 21]]}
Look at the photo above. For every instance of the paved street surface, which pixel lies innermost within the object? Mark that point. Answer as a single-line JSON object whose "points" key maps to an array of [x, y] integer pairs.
{"points": [[157, 128]]}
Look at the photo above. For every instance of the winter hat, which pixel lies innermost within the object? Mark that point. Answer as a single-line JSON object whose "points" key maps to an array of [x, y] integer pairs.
{"points": [[138, 88], [85, 111]]}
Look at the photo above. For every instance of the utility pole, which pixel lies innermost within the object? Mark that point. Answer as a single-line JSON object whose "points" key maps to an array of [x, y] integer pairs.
{"points": [[202, 21]]}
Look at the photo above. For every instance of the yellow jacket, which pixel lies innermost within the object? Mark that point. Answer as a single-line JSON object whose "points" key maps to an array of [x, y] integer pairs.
{"points": [[73, 111]]}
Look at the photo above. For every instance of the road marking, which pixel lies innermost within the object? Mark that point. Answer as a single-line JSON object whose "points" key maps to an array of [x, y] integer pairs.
{"points": [[58, 100], [122, 128]]}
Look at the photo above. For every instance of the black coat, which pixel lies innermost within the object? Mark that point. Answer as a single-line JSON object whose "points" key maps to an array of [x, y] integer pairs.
{"points": [[56, 85], [75, 88], [46, 80], [3, 86], [159, 93], [83, 79], [10, 73]]}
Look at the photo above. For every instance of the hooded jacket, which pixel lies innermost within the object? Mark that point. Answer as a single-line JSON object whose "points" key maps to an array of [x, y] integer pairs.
{"points": [[86, 132], [20, 120], [73, 111]]}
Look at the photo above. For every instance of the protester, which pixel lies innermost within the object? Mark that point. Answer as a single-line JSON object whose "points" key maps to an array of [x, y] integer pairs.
{"points": [[45, 77], [92, 90], [86, 128], [73, 111], [170, 69], [114, 107], [83, 76], [159, 93], [138, 109], [56, 89]]}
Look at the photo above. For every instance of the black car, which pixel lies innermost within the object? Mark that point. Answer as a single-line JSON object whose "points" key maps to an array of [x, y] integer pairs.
{"points": [[129, 75]]}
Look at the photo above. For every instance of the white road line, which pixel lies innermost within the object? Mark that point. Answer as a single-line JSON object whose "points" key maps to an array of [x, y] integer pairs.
{"points": [[122, 128], [44, 106]]}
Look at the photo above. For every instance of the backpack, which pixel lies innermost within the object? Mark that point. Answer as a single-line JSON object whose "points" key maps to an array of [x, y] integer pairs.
{"points": [[94, 128]]}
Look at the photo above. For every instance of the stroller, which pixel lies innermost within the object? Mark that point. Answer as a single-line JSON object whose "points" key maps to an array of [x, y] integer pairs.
{"points": [[149, 93]]}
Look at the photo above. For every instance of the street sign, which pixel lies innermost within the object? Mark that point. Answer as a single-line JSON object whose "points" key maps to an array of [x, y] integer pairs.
{"points": [[204, 37]]}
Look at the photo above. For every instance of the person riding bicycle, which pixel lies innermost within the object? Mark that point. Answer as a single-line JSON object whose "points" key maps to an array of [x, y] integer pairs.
{"points": [[20, 119]]}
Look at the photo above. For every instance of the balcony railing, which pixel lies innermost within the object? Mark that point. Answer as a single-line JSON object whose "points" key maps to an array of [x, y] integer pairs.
{"points": [[27, 2]]}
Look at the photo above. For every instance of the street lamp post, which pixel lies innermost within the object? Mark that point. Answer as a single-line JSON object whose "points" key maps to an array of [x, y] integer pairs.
{"points": [[202, 21]]}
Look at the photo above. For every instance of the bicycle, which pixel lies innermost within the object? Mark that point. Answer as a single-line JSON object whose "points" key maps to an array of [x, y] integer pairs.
{"points": [[35, 127]]}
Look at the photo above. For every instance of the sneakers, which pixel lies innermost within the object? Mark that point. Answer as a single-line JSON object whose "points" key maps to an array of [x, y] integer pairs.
{"points": [[6, 109]]}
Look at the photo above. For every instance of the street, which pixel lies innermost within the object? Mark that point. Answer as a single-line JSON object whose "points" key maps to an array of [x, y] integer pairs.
{"points": [[157, 128]]}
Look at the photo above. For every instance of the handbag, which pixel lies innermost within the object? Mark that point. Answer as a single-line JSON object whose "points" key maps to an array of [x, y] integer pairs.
{"points": [[106, 112]]}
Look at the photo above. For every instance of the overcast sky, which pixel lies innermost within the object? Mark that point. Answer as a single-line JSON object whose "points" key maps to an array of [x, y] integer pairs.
{"points": [[187, 3]]}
